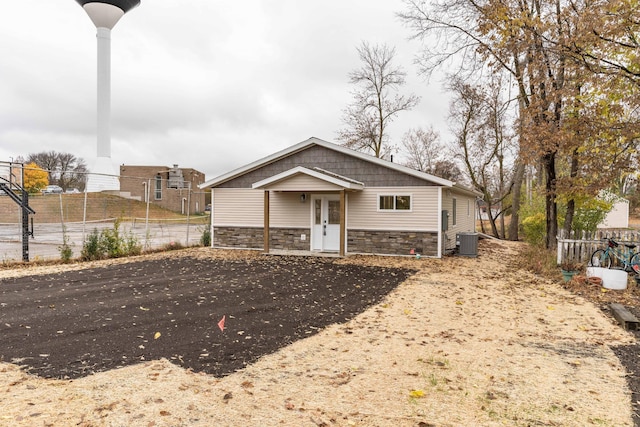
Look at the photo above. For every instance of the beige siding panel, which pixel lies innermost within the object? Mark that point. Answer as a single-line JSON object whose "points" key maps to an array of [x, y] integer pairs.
{"points": [[302, 182], [363, 211], [465, 215], [238, 207], [287, 211]]}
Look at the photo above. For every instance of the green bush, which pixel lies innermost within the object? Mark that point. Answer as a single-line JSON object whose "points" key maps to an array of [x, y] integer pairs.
{"points": [[534, 228], [590, 213], [131, 245], [110, 244], [91, 247], [66, 253], [205, 239]]}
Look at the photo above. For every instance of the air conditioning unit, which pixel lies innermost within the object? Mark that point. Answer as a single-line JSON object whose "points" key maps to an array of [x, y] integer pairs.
{"points": [[467, 244]]}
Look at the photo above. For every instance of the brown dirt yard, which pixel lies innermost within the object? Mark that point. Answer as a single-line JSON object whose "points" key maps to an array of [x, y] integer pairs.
{"points": [[359, 341]]}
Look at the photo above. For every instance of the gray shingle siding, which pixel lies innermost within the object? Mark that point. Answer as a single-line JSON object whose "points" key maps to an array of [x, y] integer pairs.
{"points": [[370, 174]]}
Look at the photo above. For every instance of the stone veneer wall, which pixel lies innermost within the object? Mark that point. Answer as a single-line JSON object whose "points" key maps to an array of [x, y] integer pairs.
{"points": [[238, 237], [392, 242], [253, 238], [289, 239], [358, 241]]}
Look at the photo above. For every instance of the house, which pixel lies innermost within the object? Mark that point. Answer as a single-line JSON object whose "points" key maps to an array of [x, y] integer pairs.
{"points": [[483, 210], [321, 197], [171, 188]]}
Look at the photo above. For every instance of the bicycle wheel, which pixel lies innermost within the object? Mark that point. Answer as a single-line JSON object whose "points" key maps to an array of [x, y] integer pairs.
{"points": [[635, 263], [601, 258]]}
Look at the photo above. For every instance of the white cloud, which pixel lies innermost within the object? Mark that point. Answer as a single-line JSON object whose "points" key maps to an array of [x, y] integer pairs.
{"points": [[204, 84]]}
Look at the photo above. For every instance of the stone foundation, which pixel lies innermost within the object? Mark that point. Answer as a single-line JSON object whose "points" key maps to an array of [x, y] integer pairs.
{"points": [[253, 238], [392, 242], [358, 241], [238, 237], [289, 239]]}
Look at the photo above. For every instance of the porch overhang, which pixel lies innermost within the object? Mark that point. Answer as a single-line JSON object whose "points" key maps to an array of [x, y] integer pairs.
{"points": [[307, 180]]}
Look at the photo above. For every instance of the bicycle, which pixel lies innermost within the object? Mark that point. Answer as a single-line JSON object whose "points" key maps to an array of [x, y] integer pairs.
{"points": [[626, 255]]}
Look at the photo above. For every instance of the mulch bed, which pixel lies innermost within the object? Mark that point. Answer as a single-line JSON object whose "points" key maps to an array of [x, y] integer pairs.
{"points": [[76, 323]]}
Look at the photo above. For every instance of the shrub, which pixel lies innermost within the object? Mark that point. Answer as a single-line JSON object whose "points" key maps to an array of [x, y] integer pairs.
{"points": [[590, 213], [110, 244], [91, 247], [535, 228], [66, 253], [131, 245], [205, 239]]}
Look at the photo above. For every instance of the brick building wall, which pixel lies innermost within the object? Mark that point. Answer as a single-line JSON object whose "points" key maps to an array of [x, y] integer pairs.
{"points": [[163, 188]]}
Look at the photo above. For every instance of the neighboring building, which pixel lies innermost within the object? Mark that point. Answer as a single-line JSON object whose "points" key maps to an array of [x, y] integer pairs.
{"points": [[483, 211], [172, 188], [318, 196], [618, 216]]}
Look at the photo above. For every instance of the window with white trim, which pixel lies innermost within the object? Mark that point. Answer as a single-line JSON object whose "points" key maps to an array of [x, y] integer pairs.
{"points": [[394, 202], [158, 187]]}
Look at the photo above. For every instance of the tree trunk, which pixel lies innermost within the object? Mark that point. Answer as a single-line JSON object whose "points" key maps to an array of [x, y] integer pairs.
{"points": [[549, 162], [512, 233], [492, 221], [571, 205], [480, 216]]}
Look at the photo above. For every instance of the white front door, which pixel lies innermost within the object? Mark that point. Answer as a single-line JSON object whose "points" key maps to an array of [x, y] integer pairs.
{"points": [[325, 233]]}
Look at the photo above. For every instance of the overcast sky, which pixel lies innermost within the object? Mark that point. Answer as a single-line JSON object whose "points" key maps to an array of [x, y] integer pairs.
{"points": [[204, 84]]}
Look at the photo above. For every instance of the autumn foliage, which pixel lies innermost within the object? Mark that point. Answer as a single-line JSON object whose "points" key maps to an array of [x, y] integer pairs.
{"points": [[35, 178]]}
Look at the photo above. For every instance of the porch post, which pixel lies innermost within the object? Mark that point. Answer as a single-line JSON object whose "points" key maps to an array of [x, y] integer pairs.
{"points": [[266, 221], [343, 220]]}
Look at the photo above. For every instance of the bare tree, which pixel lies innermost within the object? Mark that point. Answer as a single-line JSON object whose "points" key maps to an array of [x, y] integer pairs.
{"points": [[479, 121], [448, 169], [64, 169], [47, 160], [73, 171], [423, 149], [375, 101], [426, 153]]}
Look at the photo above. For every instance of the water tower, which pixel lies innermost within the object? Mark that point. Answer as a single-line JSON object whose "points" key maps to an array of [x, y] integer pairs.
{"points": [[104, 14]]}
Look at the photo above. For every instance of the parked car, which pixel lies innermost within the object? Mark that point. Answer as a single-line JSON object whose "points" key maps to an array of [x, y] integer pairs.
{"points": [[72, 191], [52, 189]]}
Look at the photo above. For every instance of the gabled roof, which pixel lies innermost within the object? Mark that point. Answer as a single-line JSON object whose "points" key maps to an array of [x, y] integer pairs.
{"points": [[339, 148], [318, 173]]}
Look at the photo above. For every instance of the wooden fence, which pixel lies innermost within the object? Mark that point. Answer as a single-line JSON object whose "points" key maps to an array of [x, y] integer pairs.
{"points": [[580, 247]]}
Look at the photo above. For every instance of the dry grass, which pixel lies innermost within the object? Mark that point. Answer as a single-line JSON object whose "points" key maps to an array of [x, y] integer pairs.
{"points": [[99, 206], [464, 342]]}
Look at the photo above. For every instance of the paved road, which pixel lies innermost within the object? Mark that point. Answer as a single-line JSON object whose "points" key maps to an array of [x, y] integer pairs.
{"points": [[48, 238]]}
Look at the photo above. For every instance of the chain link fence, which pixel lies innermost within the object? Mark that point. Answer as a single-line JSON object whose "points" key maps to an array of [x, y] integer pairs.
{"points": [[155, 208]]}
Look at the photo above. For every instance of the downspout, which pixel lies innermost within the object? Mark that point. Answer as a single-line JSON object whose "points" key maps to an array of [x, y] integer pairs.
{"points": [[440, 230], [343, 220], [211, 218], [188, 212]]}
